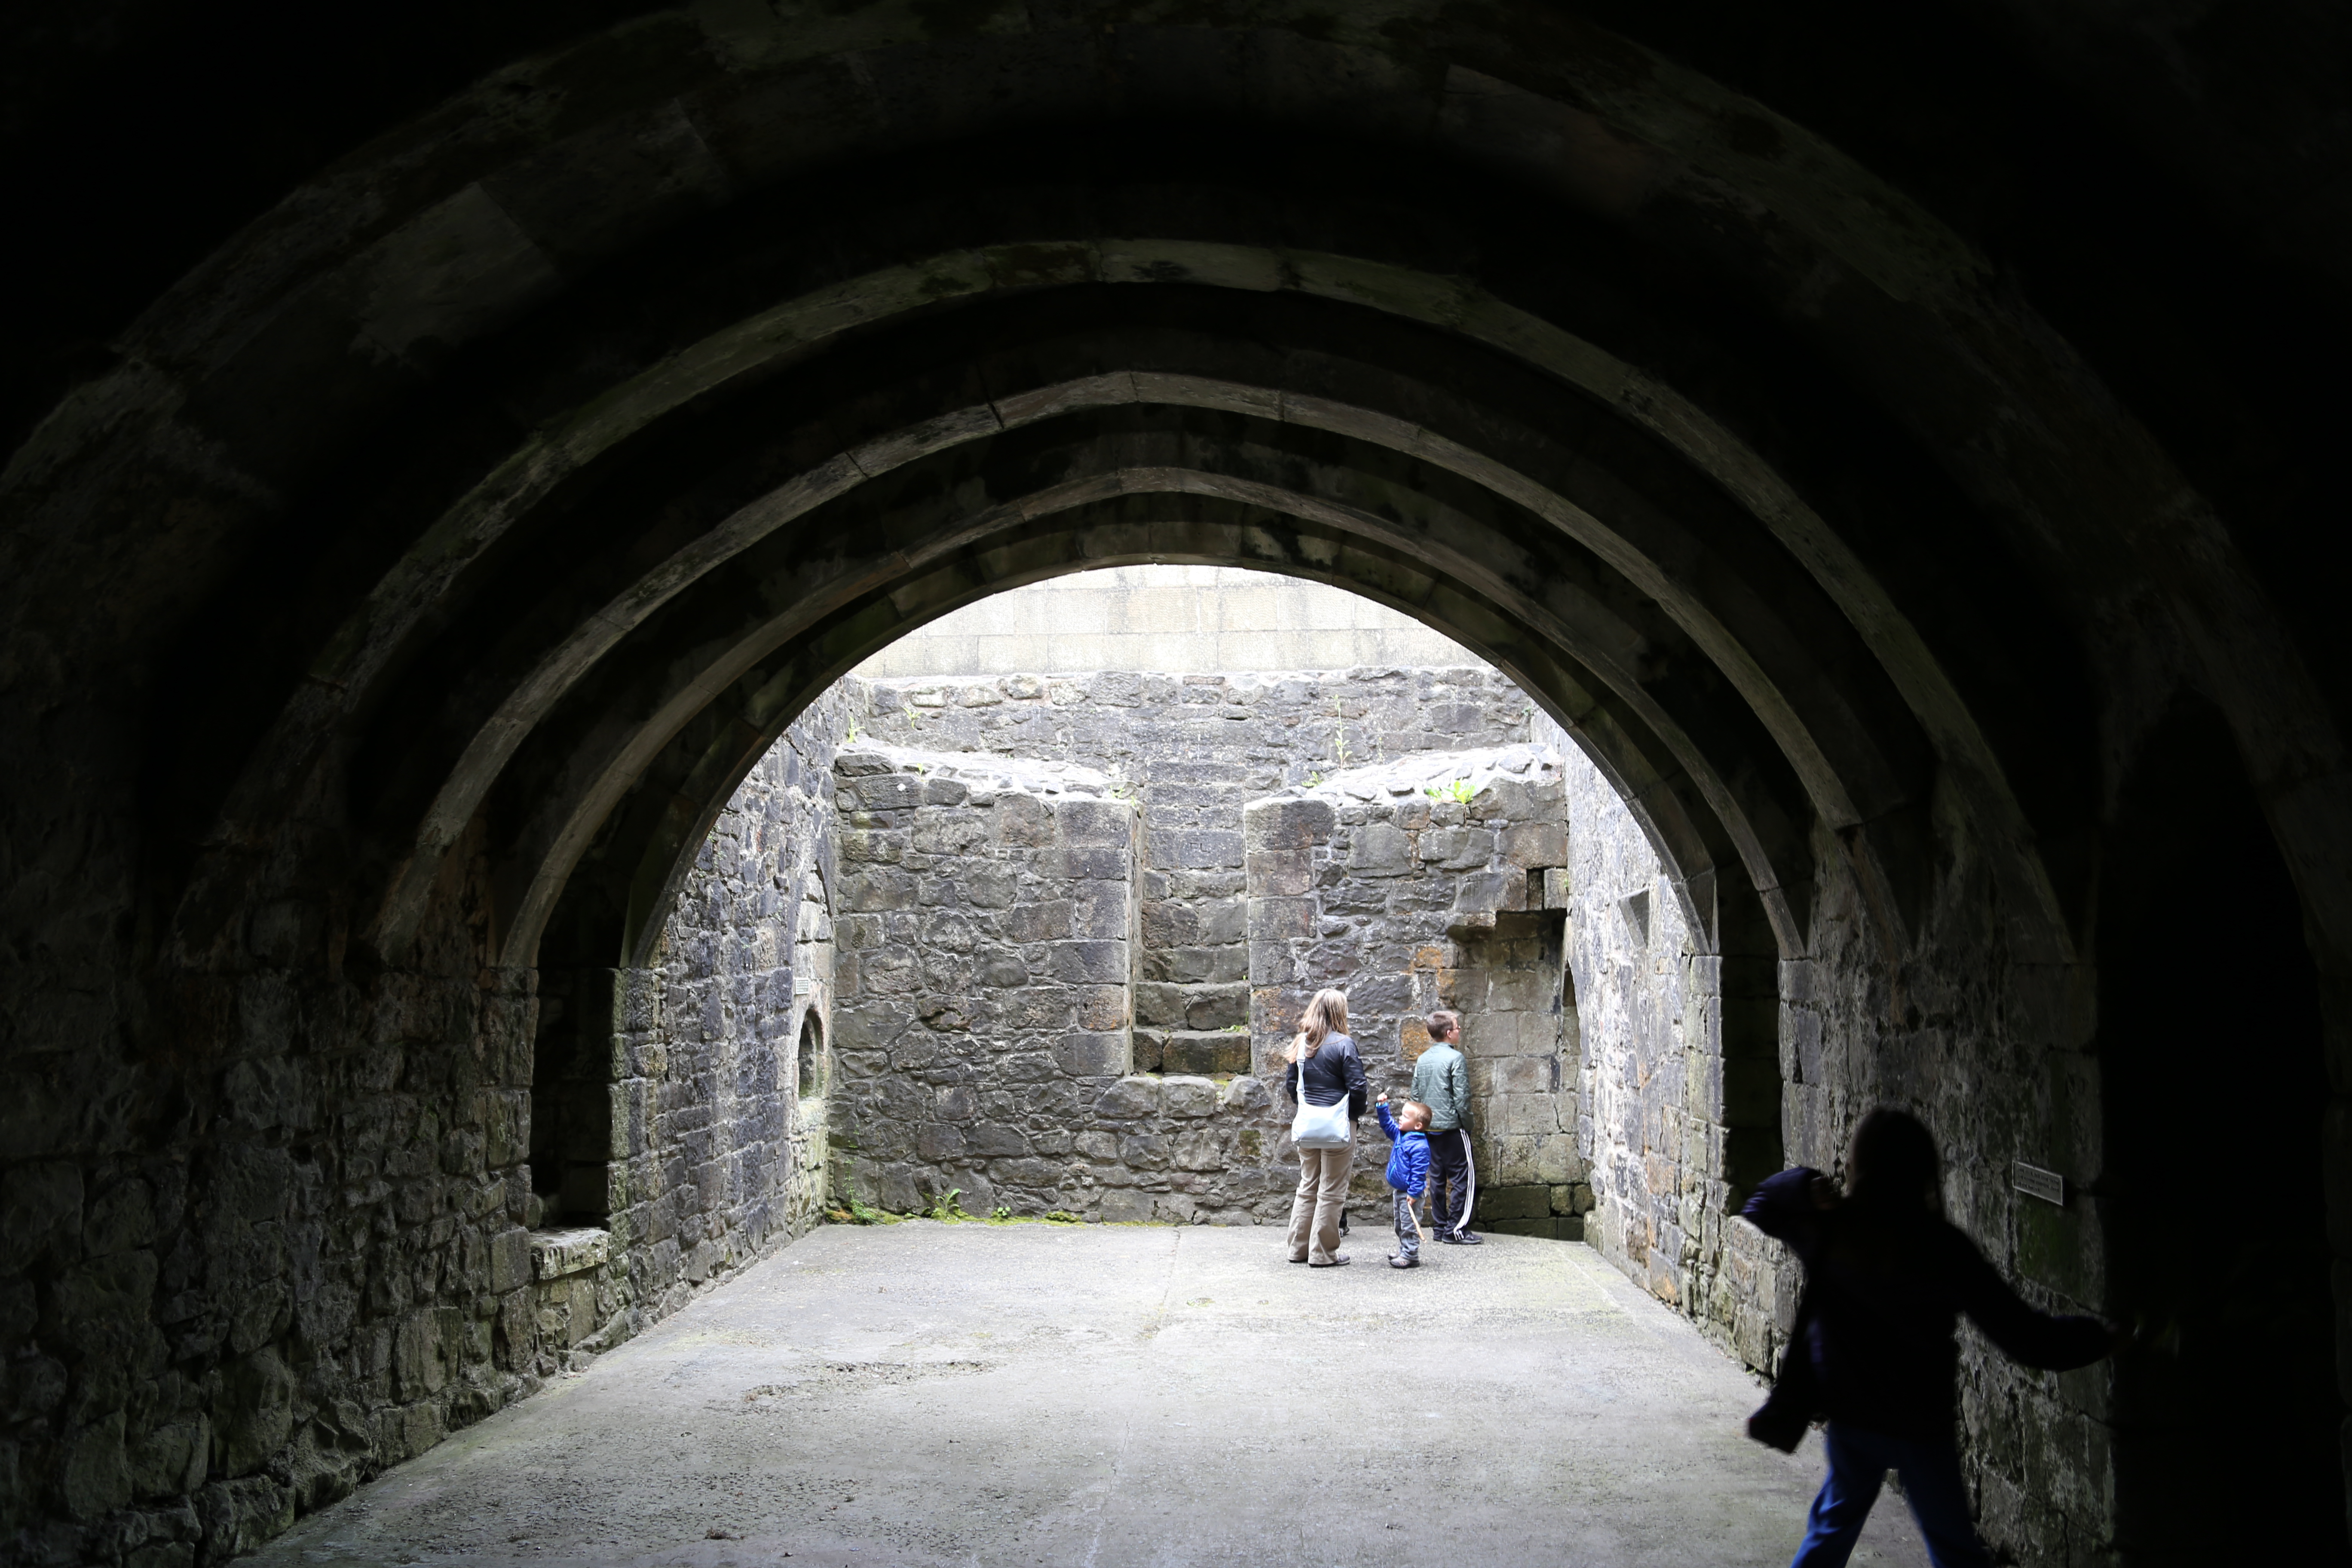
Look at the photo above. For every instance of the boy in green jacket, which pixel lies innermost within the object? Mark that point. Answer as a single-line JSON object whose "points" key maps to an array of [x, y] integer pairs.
{"points": [[1441, 1081]]}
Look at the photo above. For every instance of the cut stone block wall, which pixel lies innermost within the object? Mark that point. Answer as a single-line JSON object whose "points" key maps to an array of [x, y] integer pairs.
{"points": [[233, 1294], [1192, 752], [985, 968], [678, 1126], [1415, 885]]}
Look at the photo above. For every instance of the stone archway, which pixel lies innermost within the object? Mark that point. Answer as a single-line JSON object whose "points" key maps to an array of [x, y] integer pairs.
{"points": [[395, 601]]}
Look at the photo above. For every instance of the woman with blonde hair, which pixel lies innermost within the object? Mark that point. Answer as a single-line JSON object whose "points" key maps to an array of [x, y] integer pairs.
{"points": [[1324, 1070]]}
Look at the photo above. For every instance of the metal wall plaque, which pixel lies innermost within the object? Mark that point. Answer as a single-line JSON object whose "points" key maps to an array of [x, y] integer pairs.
{"points": [[2035, 1182]]}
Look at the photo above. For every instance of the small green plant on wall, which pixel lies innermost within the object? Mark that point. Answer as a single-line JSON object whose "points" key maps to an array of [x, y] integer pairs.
{"points": [[1458, 792]]}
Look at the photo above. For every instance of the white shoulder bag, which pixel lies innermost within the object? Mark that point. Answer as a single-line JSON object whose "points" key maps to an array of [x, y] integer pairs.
{"points": [[1319, 1126]]}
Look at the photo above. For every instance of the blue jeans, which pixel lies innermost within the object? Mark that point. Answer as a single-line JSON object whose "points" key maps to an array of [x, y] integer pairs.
{"points": [[1859, 1461]]}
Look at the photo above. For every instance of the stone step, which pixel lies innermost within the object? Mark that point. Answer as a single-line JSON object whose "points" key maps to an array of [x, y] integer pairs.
{"points": [[1212, 1053], [1551, 1227]]}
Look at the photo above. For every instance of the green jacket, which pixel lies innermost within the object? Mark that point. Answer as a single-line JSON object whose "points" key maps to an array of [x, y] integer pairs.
{"points": [[1441, 1081]]}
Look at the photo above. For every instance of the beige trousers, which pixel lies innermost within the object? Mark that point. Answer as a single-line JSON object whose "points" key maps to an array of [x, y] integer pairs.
{"points": [[1322, 1188]]}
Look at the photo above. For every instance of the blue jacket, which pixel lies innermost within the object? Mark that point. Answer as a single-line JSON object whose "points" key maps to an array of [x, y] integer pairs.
{"points": [[1409, 1161]]}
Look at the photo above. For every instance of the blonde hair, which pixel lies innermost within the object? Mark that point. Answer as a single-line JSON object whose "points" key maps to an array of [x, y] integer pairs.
{"points": [[1326, 1015], [1415, 1108]]}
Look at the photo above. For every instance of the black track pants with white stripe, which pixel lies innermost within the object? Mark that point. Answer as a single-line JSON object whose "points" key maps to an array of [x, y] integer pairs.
{"points": [[1452, 1180]]}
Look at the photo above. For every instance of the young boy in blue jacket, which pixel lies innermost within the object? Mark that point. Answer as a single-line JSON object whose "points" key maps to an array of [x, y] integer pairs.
{"points": [[1408, 1175]]}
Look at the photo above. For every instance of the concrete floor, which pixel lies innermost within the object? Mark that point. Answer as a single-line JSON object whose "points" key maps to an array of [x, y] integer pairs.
{"points": [[1108, 1395]]}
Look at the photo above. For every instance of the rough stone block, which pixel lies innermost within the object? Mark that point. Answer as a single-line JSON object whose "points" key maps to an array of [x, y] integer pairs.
{"points": [[1091, 862], [1246, 1094], [510, 1260], [1188, 1095], [1287, 825], [1129, 1099], [1377, 849], [1149, 1045], [1502, 1203], [1090, 962], [1280, 873], [1159, 1004], [1103, 1008], [557, 1253], [1276, 918], [1208, 1007], [1228, 963], [886, 792], [1092, 1056], [1493, 891], [40, 1210], [1126, 1206], [1022, 820], [1455, 849], [1533, 846], [1095, 822], [876, 891], [1205, 1052]]}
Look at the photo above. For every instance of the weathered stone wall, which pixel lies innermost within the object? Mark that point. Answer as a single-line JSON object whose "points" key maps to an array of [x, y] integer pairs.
{"points": [[1993, 1055], [1417, 885], [297, 1258], [671, 1144], [1645, 1129], [985, 967], [1192, 752], [717, 1155]]}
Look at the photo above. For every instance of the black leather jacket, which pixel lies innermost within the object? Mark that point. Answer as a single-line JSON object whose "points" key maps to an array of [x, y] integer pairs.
{"points": [[1334, 1070]]}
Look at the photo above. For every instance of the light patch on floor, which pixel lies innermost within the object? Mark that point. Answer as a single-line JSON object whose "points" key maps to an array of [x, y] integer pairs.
{"points": [[925, 1394]]}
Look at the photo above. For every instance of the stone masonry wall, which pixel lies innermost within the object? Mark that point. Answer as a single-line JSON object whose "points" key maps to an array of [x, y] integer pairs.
{"points": [[1990, 1053], [1644, 1130], [703, 1156], [1192, 752], [1417, 885], [309, 1263], [985, 970]]}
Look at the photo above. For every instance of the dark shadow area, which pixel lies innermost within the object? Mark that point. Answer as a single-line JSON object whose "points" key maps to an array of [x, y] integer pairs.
{"points": [[2214, 1088], [571, 1096]]}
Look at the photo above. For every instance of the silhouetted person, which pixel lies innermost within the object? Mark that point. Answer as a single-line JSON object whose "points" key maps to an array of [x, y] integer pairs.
{"points": [[1886, 1276]]}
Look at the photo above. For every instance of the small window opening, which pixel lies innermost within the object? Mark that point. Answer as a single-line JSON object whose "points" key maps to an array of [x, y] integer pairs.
{"points": [[811, 1055]]}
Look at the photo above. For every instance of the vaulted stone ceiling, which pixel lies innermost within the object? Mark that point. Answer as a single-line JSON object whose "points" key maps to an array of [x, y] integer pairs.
{"points": [[448, 449]]}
